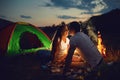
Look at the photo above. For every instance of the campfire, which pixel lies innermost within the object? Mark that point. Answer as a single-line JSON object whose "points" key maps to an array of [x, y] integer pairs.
{"points": [[100, 45]]}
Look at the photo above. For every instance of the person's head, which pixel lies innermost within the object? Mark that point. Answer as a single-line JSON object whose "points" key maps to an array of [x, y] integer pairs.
{"points": [[62, 31], [74, 27]]}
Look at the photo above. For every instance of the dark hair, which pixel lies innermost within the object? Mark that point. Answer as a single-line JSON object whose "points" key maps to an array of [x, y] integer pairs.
{"points": [[58, 35], [74, 26]]}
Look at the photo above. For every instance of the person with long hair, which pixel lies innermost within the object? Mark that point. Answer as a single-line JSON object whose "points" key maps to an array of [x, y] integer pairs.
{"points": [[60, 44]]}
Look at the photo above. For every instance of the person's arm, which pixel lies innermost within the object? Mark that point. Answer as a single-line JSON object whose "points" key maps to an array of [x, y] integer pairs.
{"points": [[68, 46], [70, 53], [69, 57]]}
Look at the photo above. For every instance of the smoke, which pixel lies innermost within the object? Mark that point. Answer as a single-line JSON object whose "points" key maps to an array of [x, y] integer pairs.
{"points": [[92, 34]]}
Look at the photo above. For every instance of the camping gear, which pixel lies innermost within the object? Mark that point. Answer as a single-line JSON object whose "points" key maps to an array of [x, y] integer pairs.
{"points": [[22, 38]]}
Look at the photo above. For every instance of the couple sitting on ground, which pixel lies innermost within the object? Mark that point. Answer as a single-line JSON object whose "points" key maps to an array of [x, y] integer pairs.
{"points": [[60, 47], [63, 49]]}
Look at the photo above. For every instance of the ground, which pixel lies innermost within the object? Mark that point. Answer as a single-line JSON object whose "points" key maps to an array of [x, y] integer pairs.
{"points": [[29, 67]]}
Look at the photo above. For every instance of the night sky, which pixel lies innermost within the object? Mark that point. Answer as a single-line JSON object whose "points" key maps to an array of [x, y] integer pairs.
{"points": [[49, 12]]}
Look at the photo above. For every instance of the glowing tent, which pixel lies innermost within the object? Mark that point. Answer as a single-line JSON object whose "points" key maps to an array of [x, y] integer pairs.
{"points": [[22, 38]]}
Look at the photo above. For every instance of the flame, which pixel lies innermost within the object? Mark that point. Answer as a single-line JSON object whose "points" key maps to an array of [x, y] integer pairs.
{"points": [[100, 46]]}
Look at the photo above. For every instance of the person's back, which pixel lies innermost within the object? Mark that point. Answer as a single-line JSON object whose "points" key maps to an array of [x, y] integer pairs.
{"points": [[89, 51], [87, 48]]}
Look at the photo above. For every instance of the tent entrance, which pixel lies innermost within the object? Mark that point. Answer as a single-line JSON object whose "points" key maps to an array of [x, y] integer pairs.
{"points": [[29, 40]]}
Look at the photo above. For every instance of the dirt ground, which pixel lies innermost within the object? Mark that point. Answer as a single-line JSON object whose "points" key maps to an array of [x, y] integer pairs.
{"points": [[29, 67]]}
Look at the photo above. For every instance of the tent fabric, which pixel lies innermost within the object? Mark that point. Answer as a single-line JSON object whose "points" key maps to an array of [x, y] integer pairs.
{"points": [[5, 36], [11, 39]]}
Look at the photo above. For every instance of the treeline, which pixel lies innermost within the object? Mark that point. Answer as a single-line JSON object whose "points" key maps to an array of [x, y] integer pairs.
{"points": [[108, 24]]}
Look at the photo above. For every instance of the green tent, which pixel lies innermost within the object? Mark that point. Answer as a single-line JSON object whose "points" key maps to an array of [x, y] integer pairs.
{"points": [[22, 38]]}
